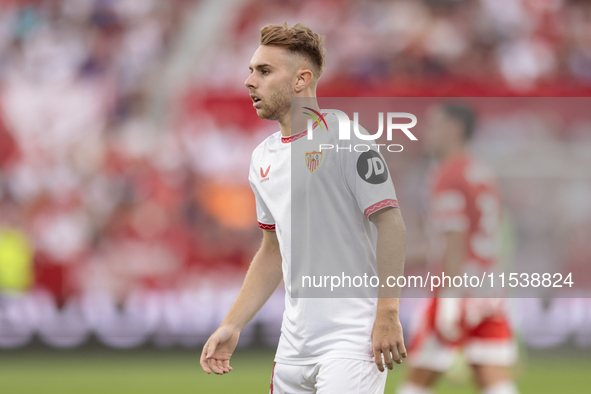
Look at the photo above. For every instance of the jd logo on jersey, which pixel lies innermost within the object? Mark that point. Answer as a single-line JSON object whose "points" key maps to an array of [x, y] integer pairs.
{"points": [[371, 167], [313, 160]]}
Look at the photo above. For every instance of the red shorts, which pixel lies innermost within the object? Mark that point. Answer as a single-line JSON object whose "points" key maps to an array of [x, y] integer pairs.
{"points": [[482, 332]]}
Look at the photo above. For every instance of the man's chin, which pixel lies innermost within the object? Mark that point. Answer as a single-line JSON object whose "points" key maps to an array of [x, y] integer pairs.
{"points": [[264, 114]]}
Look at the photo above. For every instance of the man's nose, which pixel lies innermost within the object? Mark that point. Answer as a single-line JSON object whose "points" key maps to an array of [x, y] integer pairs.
{"points": [[249, 83]]}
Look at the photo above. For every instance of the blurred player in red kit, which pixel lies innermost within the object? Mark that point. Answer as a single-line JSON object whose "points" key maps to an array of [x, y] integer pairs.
{"points": [[465, 225]]}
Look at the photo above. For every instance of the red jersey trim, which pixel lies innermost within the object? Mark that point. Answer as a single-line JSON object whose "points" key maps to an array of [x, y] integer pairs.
{"points": [[266, 226], [380, 205], [295, 137], [272, 377]]}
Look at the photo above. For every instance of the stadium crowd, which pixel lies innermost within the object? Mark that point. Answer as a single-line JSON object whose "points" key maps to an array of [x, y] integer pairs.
{"points": [[96, 195], [431, 47], [99, 198]]}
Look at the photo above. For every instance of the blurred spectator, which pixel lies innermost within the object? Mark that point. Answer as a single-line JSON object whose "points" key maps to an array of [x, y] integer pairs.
{"points": [[16, 251]]}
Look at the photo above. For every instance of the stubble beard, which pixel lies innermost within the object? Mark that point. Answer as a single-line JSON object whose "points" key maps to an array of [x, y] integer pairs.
{"points": [[278, 105]]}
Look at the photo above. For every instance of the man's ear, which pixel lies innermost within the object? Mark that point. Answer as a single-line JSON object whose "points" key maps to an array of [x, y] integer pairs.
{"points": [[303, 79]]}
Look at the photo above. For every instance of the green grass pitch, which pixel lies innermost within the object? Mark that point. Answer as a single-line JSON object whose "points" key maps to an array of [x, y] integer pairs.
{"points": [[151, 371]]}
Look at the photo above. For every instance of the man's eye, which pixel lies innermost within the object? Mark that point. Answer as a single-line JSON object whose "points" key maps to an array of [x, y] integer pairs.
{"points": [[264, 72]]}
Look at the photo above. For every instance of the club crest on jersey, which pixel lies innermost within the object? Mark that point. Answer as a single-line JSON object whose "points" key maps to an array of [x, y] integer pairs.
{"points": [[264, 174], [313, 160]]}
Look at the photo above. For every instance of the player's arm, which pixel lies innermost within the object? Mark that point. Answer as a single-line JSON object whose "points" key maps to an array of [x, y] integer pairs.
{"points": [[452, 219], [387, 338], [449, 309], [455, 252], [262, 278]]}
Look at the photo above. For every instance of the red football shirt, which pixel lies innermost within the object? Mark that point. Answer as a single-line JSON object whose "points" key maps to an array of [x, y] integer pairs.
{"points": [[465, 197]]}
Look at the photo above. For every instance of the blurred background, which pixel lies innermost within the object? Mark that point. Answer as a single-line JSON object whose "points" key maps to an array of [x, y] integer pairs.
{"points": [[126, 217]]}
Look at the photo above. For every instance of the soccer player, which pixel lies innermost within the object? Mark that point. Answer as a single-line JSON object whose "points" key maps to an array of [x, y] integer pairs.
{"points": [[327, 345], [466, 213]]}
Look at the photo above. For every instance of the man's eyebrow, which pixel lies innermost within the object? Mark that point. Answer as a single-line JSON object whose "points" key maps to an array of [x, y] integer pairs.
{"points": [[259, 66]]}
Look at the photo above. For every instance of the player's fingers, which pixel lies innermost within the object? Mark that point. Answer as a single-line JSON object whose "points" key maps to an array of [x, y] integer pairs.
{"points": [[388, 357], [377, 358], [213, 364], [227, 365], [203, 360], [221, 366], [205, 367], [402, 348], [395, 355]]}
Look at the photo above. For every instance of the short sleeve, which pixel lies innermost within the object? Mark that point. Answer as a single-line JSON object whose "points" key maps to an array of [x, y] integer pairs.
{"points": [[264, 217], [367, 176]]}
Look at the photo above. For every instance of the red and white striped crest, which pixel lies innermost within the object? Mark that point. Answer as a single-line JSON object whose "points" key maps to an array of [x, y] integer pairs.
{"points": [[313, 160]]}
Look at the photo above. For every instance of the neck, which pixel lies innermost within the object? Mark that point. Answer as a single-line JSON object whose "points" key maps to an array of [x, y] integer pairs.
{"points": [[289, 125], [453, 151], [285, 124]]}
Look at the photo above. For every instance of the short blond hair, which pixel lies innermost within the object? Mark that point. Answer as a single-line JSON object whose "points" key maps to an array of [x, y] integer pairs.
{"points": [[298, 39]]}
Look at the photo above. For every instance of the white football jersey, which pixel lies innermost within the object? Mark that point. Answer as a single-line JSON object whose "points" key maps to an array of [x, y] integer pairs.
{"points": [[333, 194]]}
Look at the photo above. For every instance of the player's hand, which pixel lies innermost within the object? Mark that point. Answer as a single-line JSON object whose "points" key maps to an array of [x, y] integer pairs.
{"points": [[448, 318], [387, 340], [218, 349]]}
